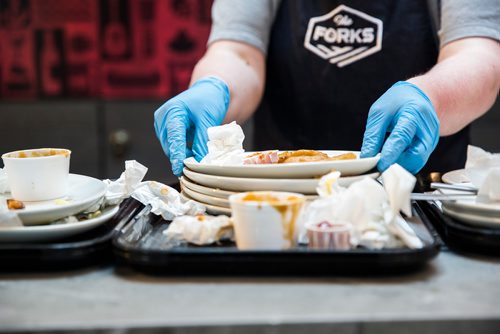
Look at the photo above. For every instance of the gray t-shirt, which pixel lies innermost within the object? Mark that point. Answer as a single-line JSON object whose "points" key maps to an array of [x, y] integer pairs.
{"points": [[251, 21]]}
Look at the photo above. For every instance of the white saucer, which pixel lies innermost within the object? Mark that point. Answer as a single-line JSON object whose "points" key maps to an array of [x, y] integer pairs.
{"points": [[473, 219], [83, 192], [211, 209], [290, 170], [304, 186], [52, 232], [455, 177]]}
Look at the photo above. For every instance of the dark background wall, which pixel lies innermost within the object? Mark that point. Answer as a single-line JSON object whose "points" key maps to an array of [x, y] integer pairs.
{"points": [[100, 48], [88, 75]]}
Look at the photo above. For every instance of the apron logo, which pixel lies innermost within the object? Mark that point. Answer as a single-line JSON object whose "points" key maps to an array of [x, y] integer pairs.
{"points": [[344, 35]]}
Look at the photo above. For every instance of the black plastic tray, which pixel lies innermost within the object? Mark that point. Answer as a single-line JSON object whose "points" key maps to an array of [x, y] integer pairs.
{"points": [[142, 246], [90, 248], [460, 237]]}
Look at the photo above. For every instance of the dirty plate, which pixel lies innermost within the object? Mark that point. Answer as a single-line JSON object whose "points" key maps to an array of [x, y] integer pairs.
{"points": [[289, 170], [83, 192], [55, 231]]}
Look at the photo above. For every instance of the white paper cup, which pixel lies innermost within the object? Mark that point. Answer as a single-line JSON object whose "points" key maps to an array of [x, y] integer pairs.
{"points": [[265, 220], [37, 174]]}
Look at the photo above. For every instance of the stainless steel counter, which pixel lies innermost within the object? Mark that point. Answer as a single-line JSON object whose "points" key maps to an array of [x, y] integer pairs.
{"points": [[454, 294]]}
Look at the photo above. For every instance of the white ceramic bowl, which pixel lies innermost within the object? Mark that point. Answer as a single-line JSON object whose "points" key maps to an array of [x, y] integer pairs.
{"points": [[265, 220], [37, 174]]}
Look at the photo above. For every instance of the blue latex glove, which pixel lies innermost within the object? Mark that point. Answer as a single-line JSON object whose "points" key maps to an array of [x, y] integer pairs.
{"points": [[407, 113], [187, 116]]}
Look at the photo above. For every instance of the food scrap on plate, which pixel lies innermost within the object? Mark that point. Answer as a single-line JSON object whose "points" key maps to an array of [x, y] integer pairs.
{"points": [[13, 204], [225, 147], [311, 156]]}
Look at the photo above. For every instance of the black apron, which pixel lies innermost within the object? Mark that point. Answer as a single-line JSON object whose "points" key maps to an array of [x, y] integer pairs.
{"points": [[322, 81]]}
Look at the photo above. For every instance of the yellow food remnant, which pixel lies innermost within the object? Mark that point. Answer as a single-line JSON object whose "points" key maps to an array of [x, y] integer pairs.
{"points": [[41, 153]]}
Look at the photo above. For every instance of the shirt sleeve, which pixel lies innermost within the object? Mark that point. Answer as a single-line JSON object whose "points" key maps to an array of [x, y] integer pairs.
{"points": [[469, 18], [243, 21]]}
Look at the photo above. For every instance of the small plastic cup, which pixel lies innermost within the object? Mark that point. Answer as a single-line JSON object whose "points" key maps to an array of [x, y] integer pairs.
{"points": [[265, 220], [37, 174], [325, 235]]}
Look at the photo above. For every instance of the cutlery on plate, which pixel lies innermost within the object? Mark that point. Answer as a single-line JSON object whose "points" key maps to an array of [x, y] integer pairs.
{"points": [[440, 197], [460, 187]]}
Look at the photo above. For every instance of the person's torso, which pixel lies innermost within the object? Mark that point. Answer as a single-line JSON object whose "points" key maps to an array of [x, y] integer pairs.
{"points": [[328, 61]]}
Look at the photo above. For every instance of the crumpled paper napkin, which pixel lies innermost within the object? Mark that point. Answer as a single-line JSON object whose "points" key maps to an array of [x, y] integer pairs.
{"points": [[372, 209], [483, 170], [199, 229], [165, 200], [128, 181], [225, 145]]}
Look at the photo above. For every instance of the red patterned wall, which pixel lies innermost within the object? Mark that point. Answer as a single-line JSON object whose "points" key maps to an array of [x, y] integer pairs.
{"points": [[100, 48]]}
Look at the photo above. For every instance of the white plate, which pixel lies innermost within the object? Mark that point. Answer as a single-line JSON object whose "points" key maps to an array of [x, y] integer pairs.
{"points": [[205, 190], [219, 193], [52, 232], [455, 177], [211, 209], [83, 192], [473, 219], [481, 205], [290, 170], [205, 198], [304, 186]]}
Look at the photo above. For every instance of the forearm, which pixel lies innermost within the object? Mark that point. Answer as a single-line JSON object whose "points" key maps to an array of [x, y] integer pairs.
{"points": [[242, 67], [464, 83]]}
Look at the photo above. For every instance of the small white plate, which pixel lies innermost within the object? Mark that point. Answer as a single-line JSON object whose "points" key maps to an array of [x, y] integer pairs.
{"points": [[205, 198], [473, 219], [304, 186], [289, 170], [211, 209], [52, 232], [83, 192], [455, 177]]}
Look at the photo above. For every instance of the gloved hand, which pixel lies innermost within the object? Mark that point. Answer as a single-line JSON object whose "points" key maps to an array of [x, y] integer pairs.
{"points": [[407, 113], [187, 116]]}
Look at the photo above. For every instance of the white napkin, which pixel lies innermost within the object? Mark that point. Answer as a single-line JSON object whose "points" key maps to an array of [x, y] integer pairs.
{"points": [[225, 145], [165, 200], [130, 179], [398, 184], [200, 229], [372, 209], [491, 185], [482, 169], [328, 184]]}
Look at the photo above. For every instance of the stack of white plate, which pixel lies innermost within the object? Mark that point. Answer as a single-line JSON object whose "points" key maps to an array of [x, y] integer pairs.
{"points": [[474, 210], [211, 185]]}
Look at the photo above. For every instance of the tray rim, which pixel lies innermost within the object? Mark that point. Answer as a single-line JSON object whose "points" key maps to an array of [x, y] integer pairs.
{"points": [[139, 258]]}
